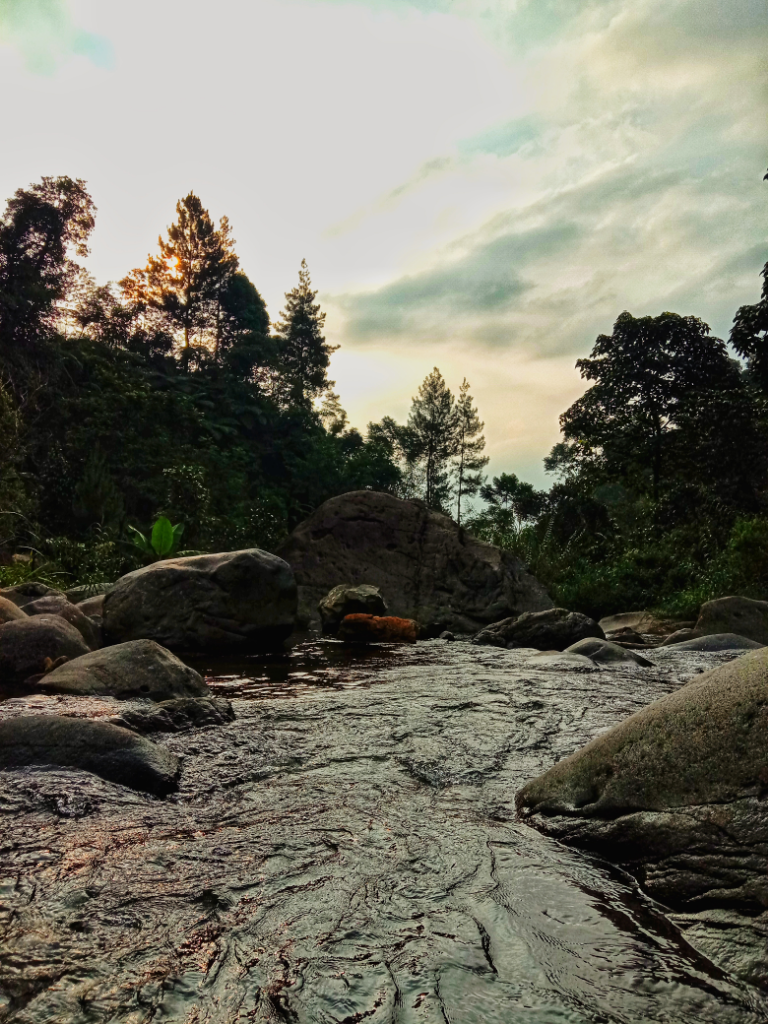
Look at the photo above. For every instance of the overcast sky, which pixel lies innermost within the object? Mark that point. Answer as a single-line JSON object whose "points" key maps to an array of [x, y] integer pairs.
{"points": [[478, 185]]}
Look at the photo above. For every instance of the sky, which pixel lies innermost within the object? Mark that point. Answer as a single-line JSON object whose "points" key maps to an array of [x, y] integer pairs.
{"points": [[478, 185]]}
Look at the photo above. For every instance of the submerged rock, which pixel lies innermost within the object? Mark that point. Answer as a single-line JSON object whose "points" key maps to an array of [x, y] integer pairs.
{"points": [[26, 643], [740, 615], [115, 754], [382, 629], [675, 793], [243, 599], [554, 629], [347, 599], [177, 715], [428, 567], [604, 652], [138, 668]]}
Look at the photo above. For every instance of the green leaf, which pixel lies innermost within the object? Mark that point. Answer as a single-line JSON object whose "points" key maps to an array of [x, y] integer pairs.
{"points": [[177, 532], [140, 540], [162, 537]]}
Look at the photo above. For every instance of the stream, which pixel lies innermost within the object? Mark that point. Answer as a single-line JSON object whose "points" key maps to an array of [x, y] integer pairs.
{"points": [[346, 851]]}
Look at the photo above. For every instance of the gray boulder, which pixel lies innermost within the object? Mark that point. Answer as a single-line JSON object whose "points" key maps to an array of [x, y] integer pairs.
{"points": [[676, 792], [603, 652], [740, 615], [177, 715], [236, 599], [138, 668], [430, 569], [26, 643], [716, 642], [93, 607], [347, 599], [103, 749], [551, 630], [57, 604], [679, 637], [9, 611]]}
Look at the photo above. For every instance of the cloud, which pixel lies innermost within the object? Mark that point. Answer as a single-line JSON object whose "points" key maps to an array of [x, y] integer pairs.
{"points": [[44, 33]]}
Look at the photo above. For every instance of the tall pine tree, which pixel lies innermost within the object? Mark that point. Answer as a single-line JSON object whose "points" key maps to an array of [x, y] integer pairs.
{"points": [[303, 353], [469, 460], [432, 425]]}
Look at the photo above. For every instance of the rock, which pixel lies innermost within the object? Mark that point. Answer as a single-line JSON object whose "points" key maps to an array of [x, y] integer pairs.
{"points": [[675, 793], [93, 607], [57, 604], [430, 569], [380, 629], [237, 599], [447, 635], [137, 668], [679, 636], [715, 642], [641, 622], [740, 615], [23, 593], [603, 652], [103, 749], [625, 635], [9, 611], [26, 643], [83, 593], [554, 629], [347, 599], [177, 715]]}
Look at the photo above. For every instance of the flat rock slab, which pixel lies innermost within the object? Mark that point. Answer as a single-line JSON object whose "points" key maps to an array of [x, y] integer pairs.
{"points": [[105, 750], [234, 599], [138, 668], [426, 567]]}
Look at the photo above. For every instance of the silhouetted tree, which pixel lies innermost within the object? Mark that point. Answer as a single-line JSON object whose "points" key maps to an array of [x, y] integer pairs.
{"points": [[469, 460], [431, 442], [303, 355]]}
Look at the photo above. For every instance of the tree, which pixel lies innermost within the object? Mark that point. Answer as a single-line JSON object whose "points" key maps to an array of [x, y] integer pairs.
{"points": [[469, 460], [431, 442], [185, 283], [749, 334], [303, 355], [644, 373], [41, 227]]}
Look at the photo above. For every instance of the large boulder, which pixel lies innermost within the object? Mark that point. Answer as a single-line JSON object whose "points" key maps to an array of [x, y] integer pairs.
{"points": [[26, 643], [106, 750], [551, 630], [429, 568], [349, 600], [713, 642], [237, 599], [675, 793], [739, 615], [58, 604], [138, 668]]}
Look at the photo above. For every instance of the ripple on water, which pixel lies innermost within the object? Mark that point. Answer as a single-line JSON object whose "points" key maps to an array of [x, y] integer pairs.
{"points": [[346, 851]]}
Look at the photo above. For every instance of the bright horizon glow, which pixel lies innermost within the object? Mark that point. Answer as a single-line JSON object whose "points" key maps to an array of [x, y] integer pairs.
{"points": [[477, 185]]}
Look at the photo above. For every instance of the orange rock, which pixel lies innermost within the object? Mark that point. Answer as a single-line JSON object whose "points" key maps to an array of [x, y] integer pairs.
{"points": [[383, 629]]}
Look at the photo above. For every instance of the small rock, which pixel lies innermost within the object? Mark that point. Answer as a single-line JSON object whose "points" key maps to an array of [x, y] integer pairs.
{"points": [[26, 643], [679, 636], [447, 635], [115, 754], [139, 668], [347, 599], [381, 629], [603, 652], [625, 635], [562, 660], [177, 715]]}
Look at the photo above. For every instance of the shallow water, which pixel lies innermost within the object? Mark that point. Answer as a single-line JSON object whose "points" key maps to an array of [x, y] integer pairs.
{"points": [[346, 851]]}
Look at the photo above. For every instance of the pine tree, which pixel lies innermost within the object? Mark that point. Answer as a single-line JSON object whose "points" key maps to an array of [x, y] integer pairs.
{"points": [[185, 282], [303, 353], [470, 442], [432, 426]]}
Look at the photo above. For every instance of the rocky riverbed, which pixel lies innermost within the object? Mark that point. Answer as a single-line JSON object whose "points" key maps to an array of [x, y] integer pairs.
{"points": [[347, 850]]}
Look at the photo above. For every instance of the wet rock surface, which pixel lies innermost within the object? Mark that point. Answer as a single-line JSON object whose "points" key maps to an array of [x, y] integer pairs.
{"points": [[554, 629], [346, 850], [348, 600], [26, 643], [426, 566]]}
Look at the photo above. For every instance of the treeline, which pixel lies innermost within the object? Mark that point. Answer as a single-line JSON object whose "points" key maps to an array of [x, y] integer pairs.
{"points": [[172, 393]]}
